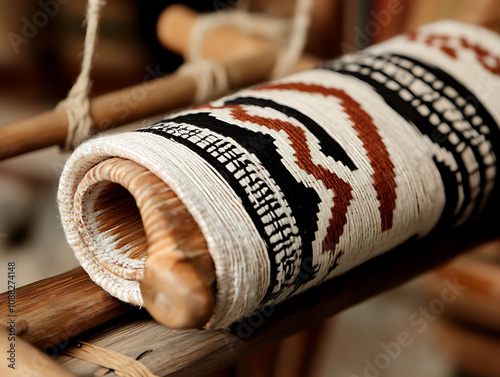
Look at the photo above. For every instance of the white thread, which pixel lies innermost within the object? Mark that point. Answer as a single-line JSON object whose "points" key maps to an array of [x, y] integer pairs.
{"points": [[77, 104], [210, 77], [298, 37]]}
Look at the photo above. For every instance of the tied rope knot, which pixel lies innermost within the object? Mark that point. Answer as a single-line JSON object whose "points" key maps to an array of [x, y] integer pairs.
{"points": [[210, 76], [77, 108], [77, 104]]}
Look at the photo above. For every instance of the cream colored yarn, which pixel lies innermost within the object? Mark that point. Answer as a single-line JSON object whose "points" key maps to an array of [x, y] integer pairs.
{"points": [[296, 181]]}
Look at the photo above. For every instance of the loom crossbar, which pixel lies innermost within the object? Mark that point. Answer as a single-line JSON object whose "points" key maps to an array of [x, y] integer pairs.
{"points": [[66, 305]]}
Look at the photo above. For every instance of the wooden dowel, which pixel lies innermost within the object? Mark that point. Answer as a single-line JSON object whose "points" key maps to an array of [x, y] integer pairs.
{"points": [[25, 359], [178, 282], [107, 111], [46, 129], [61, 307], [175, 26]]}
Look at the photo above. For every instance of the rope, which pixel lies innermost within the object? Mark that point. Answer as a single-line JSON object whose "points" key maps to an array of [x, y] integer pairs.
{"points": [[77, 104], [211, 78], [122, 365]]}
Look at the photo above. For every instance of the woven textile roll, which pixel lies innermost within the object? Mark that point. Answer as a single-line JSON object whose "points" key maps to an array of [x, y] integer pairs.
{"points": [[298, 180]]}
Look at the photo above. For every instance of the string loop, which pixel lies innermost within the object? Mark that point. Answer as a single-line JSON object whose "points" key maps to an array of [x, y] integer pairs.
{"points": [[211, 77]]}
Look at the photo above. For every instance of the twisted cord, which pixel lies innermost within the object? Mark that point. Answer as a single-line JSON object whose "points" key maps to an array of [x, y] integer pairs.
{"points": [[77, 104], [211, 77]]}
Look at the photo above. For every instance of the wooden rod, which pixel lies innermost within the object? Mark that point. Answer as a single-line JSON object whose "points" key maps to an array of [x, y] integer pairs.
{"points": [[61, 307], [198, 353], [107, 111], [250, 63], [178, 282], [174, 30]]}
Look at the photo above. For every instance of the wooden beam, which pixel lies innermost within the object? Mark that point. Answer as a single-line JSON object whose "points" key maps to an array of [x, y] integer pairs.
{"points": [[20, 358], [61, 307], [169, 352]]}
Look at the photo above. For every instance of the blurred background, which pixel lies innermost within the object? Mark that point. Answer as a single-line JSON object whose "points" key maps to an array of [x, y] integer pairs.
{"points": [[41, 46]]}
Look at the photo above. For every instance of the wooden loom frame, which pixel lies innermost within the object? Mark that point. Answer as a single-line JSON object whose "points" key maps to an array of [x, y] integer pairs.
{"points": [[45, 305]]}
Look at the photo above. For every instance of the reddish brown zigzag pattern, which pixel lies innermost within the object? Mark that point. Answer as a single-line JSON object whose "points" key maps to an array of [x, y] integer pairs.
{"points": [[483, 56], [341, 189], [433, 40], [383, 168]]}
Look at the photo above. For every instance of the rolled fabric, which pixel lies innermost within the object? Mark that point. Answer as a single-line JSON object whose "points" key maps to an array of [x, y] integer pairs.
{"points": [[300, 179]]}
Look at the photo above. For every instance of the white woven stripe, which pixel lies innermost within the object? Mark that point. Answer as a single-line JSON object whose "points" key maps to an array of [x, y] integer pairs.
{"points": [[480, 82], [423, 186], [279, 134]]}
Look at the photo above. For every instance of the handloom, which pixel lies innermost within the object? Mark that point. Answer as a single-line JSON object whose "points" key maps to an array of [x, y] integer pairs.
{"points": [[290, 183]]}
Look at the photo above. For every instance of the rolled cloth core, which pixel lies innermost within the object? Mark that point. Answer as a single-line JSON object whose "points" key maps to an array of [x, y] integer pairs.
{"points": [[124, 212], [293, 182]]}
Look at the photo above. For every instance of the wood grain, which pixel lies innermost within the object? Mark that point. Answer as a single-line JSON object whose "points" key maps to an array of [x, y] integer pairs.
{"points": [[62, 307], [179, 277], [198, 352]]}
